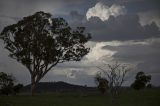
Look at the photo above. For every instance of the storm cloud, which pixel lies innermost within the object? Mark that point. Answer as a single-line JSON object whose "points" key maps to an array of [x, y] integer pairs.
{"points": [[123, 27]]}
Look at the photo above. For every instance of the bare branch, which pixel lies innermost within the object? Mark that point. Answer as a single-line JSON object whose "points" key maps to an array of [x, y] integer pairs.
{"points": [[115, 74]]}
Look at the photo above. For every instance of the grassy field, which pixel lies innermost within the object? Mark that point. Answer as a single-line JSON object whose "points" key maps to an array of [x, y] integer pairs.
{"points": [[148, 97]]}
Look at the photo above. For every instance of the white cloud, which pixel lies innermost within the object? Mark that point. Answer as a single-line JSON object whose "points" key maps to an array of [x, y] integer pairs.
{"points": [[129, 42], [97, 52], [103, 11], [146, 18]]}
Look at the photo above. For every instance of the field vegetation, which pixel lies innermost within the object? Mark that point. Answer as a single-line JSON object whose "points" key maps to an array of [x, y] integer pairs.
{"points": [[145, 97]]}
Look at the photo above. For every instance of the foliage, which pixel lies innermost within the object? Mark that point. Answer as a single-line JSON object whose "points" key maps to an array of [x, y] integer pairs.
{"points": [[141, 81], [5, 79], [7, 84], [17, 88], [7, 89], [102, 83], [40, 42]]}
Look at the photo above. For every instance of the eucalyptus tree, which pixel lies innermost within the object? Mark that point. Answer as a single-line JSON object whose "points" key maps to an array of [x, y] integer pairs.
{"points": [[40, 42]]}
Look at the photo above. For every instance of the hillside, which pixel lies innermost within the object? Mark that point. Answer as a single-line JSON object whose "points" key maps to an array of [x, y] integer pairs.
{"points": [[57, 86]]}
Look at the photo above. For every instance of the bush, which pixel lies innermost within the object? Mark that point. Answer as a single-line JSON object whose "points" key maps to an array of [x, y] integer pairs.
{"points": [[7, 84]]}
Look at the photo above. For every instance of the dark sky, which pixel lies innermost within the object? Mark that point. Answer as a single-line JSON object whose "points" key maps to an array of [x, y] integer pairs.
{"points": [[127, 31]]}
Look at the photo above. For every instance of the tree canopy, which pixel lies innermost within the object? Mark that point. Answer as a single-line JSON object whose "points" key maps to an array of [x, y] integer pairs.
{"points": [[141, 81], [102, 83], [6, 79]]}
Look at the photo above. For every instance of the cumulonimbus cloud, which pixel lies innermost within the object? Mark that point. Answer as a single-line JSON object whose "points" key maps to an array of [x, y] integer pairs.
{"points": [[103, 11]]}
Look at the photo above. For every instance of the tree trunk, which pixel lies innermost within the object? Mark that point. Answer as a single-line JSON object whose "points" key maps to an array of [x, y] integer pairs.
{"points": [[33, 85]]}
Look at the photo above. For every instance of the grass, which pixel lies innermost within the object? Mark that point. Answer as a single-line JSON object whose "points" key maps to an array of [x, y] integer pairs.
{"points": [[147, 97]]}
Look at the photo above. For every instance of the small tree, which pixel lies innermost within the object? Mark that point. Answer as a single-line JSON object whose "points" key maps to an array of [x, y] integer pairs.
{"points": [[40, 42], [5, 79], [141, 81], [102, 83], [115, 75], [6, 83]]}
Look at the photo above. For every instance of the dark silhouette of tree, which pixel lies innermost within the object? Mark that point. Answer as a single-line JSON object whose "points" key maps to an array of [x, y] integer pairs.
{"points": [[40, 42], [5, 79], [102, 83], [7, 89], [115, 75], [6, 83], [141, 81], [17, 88]]}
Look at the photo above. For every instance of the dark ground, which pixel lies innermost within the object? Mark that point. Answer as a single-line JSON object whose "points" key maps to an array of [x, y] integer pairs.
{"points": [[146, 97]]}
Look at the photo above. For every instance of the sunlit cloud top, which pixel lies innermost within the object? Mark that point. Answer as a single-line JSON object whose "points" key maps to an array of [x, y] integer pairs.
{"points": [[103, 11]]}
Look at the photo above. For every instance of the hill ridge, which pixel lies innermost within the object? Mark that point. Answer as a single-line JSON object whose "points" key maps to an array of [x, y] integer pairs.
{"points": [[57, 86]]}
